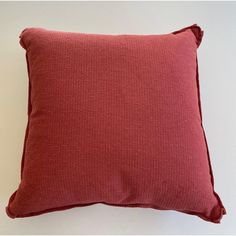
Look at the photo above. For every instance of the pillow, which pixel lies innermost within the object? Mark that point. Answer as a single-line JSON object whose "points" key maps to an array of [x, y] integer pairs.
{"points": [[114, 119]]}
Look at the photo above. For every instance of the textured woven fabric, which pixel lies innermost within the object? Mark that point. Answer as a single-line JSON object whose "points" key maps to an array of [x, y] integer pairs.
{"points": [[114, 119]]}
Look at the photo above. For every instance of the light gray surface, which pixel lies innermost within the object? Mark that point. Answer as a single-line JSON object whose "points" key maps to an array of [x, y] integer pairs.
{"points": [[218, 93]]}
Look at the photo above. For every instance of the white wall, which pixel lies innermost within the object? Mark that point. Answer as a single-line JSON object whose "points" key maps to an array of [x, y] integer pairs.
{"points": [[218, 92]]}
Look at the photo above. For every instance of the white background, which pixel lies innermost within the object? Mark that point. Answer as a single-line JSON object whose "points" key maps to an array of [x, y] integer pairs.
{"points": [[218, 93]]}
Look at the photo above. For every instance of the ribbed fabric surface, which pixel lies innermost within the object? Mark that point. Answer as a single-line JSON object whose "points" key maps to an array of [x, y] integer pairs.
{"points": [[114, 119]]}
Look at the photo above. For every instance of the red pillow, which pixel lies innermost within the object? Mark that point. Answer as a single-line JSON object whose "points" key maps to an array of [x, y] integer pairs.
{"points": [[114, 119]]}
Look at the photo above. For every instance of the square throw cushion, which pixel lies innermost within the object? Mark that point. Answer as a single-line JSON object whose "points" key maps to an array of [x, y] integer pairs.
{"points": [[114, 119]]}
